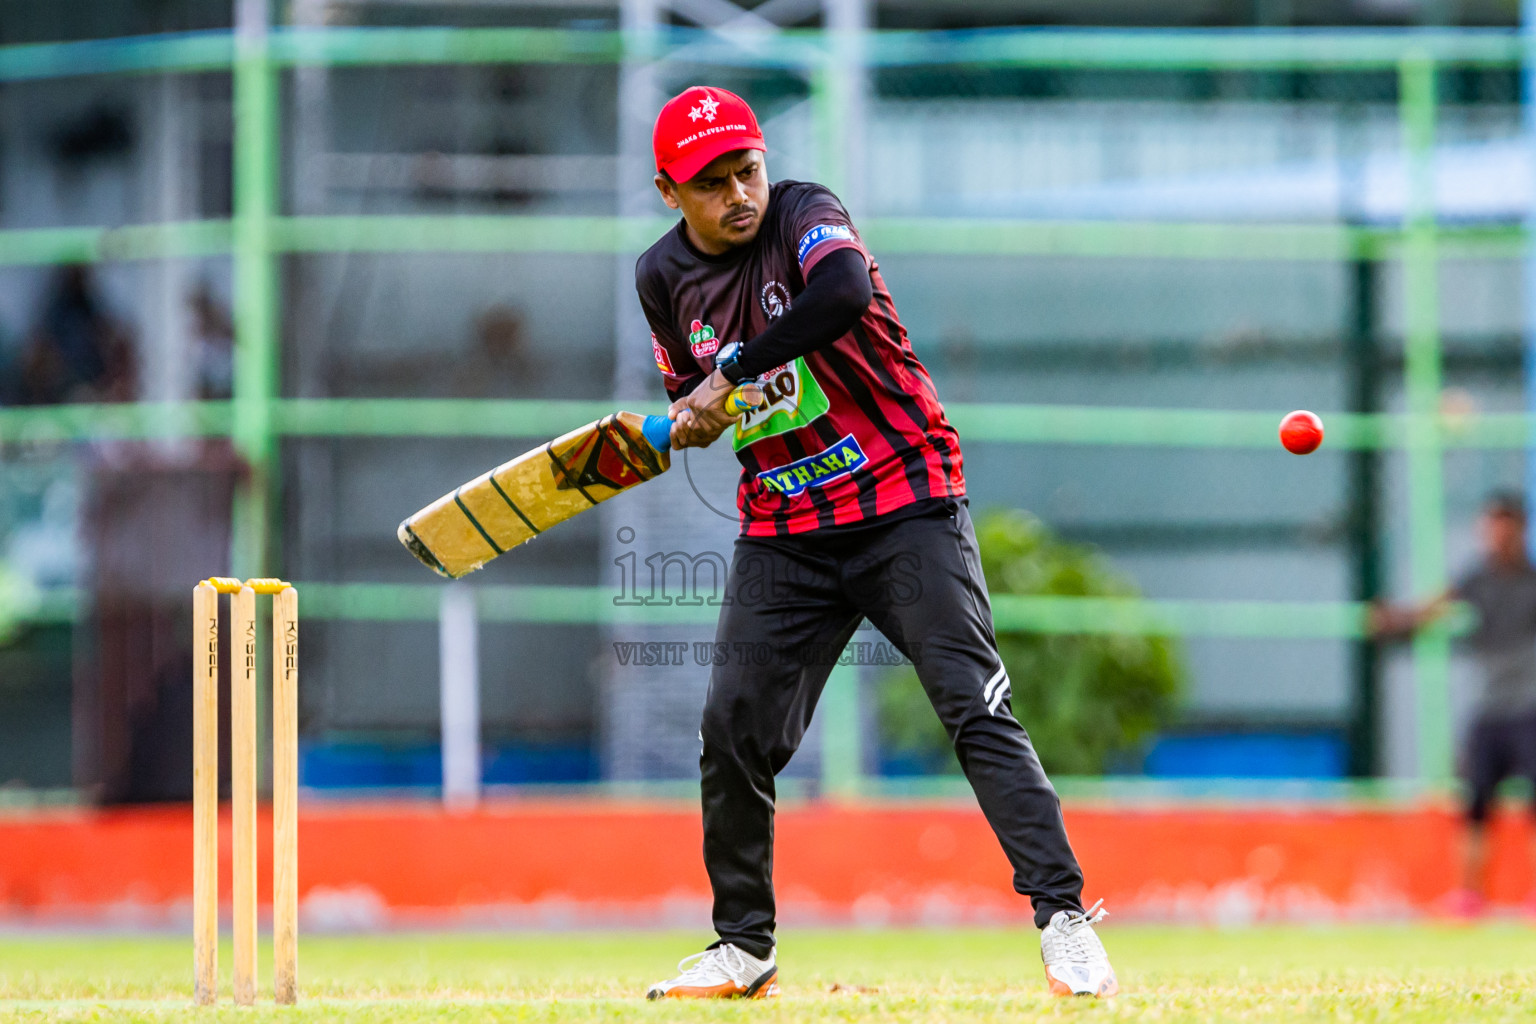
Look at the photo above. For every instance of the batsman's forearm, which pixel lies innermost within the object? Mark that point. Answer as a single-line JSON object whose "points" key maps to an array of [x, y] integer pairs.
{"points": [[687, 387], [836, 295]]}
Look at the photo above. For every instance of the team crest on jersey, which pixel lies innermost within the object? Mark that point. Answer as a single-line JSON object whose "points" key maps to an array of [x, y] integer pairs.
{"points": [[775, 300], [663, 361], [831, 463], [702, 340]]}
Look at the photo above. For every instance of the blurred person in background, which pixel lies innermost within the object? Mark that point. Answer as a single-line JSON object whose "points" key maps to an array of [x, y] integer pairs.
{"points": [[499, 365], [1500, 742], [213, 333], [496, 363], [77, 352]]}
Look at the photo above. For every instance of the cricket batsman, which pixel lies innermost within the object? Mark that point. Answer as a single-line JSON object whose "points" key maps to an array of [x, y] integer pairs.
{"points": [[852, 500]]}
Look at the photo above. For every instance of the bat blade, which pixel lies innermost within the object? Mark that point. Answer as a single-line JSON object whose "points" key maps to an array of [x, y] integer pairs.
{"points": [[520, 499]]}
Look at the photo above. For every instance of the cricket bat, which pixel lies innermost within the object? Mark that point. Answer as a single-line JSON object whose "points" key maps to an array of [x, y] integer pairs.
{"points": [[520, 499]]}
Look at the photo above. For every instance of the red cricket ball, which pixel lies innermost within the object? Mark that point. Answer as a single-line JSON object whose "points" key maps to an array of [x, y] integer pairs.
{"points": [[1301, 432]]}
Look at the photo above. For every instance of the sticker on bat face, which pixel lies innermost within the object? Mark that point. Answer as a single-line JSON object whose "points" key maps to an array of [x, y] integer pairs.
{"points": [[607, 456], [791, 399], [663, 363], [702, 340]]}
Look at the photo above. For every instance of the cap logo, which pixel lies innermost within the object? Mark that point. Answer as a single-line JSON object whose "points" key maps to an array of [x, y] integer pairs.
{"points": [[705, 109]]}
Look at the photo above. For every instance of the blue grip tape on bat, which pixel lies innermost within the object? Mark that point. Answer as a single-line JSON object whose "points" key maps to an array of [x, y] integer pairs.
{"points": [[658, 429]]}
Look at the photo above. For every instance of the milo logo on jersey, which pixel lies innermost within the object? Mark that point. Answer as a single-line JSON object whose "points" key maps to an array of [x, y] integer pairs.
{"points": [[791, 399], [831, 463]]}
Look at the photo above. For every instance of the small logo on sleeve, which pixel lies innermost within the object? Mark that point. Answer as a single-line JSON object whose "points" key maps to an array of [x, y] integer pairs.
{"points": [[821, 234], [829, 464], [702, 340], [663, 363]]}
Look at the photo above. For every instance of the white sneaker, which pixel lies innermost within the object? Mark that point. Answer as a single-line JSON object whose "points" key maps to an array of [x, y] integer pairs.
{"points": [[723, 972], [1075, 961]]}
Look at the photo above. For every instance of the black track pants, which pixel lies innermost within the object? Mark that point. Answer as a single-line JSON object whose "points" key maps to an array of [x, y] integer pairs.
{"points": [[792, 603]]}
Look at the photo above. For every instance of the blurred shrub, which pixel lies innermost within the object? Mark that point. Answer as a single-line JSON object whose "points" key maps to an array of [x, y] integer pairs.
{"points": [[1084, 700]]}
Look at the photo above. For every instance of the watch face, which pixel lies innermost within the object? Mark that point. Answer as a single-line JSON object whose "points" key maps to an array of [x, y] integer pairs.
{"points": [[727, 352]]}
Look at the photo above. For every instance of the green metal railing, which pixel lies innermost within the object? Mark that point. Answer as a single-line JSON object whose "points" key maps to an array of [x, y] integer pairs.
{"points": [[618, 236], [1332, 50], [257, 235], [531, 420]]}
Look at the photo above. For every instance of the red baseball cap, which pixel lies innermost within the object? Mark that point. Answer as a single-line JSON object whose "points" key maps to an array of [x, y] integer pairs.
{"points": [[697, 125]]}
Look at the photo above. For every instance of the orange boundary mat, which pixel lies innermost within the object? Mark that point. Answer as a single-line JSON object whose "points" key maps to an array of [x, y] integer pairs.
{"points": [[600, 862]]}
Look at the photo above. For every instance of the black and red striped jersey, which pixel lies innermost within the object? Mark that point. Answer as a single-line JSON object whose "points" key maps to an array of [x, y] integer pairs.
{"points": [[851, 431]]}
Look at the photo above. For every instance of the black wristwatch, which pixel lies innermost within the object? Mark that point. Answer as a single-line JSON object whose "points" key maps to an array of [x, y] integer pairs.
{"points": [[729, 365]]}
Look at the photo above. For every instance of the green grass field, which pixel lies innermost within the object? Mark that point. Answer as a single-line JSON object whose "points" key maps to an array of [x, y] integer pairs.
{"points": [[1383, 973]]}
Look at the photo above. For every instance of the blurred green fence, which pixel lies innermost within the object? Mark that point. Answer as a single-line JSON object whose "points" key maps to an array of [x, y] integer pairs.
{"points": [[259, 233]]}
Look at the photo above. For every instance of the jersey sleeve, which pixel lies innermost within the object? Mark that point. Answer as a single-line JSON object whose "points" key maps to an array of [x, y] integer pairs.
{"points": [[679, 374], [816, 225]]}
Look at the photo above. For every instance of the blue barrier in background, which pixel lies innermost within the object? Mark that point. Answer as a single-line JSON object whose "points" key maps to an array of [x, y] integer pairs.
{"points": [[354, 765], [1250, 755]]}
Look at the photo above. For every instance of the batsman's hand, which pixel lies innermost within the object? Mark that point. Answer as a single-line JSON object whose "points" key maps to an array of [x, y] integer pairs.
{"points": [[701, 416]]}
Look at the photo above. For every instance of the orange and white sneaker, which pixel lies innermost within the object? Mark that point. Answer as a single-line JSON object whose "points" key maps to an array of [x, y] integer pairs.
{"points": [[1075, 961], [721, 972]]}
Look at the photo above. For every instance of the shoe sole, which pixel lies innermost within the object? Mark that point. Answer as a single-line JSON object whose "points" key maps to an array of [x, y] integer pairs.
{"points": [[1107, 990], [766, 986]]}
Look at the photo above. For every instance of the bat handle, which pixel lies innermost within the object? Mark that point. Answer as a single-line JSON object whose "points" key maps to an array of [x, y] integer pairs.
{"points": [[658, 429], [745, 398]]}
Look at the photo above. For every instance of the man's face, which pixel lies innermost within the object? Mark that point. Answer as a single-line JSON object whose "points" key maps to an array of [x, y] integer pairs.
{"points": [[724, 203], [1503, 536]]}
